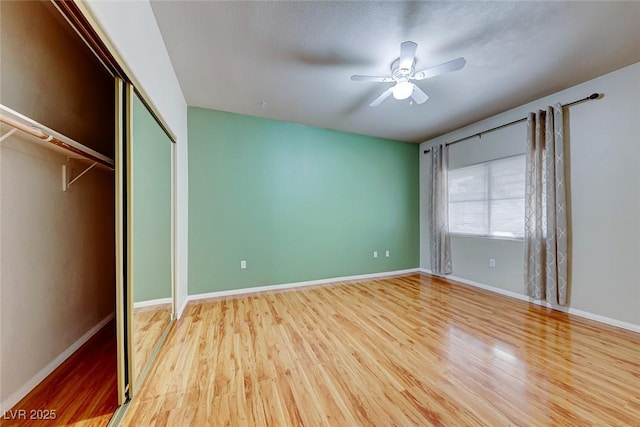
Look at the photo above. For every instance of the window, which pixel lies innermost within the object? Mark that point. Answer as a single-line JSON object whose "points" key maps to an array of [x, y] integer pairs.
{"points": [[487, 199]]}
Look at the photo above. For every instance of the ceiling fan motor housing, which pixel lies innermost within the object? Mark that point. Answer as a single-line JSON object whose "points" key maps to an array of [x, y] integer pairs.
{"points": [[399, 73]]}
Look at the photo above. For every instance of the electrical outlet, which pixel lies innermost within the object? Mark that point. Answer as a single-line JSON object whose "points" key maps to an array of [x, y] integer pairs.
{"points": [[375, 254], [387, 253], [492, 262], [243, 264]]}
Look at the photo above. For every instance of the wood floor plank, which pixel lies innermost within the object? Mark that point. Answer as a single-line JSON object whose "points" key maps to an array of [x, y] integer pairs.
{"points": [[82, 390], [407, 350], [149, 324]]}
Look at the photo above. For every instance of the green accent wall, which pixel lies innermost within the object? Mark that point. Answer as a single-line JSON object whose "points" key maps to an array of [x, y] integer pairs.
{"points": [[297, 203], [151, 167]]}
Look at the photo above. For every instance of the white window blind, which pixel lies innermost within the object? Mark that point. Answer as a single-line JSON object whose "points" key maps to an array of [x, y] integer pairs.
{"points": [[487, 199]]}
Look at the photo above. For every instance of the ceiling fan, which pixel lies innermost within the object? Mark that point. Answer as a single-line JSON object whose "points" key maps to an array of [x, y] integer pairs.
{"points": [[403, 72]]}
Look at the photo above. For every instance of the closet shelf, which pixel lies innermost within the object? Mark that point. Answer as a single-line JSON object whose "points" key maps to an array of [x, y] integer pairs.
{"points": [[52, 139]]}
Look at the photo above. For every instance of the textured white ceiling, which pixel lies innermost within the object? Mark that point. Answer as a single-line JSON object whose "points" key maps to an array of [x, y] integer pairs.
{"points": [[297, 57]]}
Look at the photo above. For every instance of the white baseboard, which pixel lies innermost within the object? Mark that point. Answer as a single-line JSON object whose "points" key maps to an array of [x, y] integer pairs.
{"points": [[152, 302], [490, 288], [10, 401], [592, 316], [243, 291], [581, 313]]}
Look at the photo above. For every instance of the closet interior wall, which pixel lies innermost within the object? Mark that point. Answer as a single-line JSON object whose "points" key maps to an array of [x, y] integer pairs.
{"points": [[57, 248]]}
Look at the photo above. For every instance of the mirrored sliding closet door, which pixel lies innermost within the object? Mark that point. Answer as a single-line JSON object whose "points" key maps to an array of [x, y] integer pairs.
{"points": [[150, 237]]}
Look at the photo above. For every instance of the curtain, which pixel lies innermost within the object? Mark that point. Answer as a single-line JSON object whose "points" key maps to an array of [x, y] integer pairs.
{"points": [[545, 207], [440, 241]]}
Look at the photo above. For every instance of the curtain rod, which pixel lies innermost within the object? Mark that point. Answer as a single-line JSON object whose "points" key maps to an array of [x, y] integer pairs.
{"points": [[588, 98]]}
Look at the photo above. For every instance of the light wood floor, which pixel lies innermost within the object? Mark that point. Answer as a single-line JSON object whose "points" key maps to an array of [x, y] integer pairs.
{"points": [[82, 390], [149, 324], [410, 350]]}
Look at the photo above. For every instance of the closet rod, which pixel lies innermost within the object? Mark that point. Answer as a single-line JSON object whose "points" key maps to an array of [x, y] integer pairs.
{"points": [[33, 128], [588, 98]]}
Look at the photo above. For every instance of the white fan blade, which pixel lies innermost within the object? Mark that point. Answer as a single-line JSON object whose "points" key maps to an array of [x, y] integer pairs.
{"points": [[455, 65], [418, 95], [381, 98], [357, 78], [407, 55]]}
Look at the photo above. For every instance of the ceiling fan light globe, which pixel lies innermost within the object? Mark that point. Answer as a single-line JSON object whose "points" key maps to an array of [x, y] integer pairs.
{"points": [[402, 90]]}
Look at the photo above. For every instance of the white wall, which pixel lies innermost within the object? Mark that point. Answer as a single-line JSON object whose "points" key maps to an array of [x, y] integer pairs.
{"points": [[132, 29], [604, 185], [57, 255]]}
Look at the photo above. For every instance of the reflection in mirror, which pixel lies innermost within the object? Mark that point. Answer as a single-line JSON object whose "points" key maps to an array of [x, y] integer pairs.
{"points": [[151, 233]]}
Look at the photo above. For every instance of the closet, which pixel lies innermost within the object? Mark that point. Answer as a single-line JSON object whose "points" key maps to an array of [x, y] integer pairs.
{"points": [[86, 221]]}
